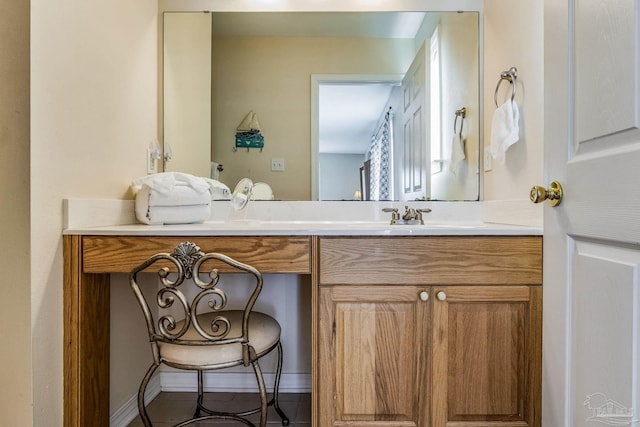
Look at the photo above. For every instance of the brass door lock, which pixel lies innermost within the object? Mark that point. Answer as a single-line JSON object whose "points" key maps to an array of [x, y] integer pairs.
{"points": [[553, 194]]}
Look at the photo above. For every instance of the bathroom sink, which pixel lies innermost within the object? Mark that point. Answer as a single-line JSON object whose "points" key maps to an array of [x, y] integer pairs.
{"points": [[338, 224], [454, 224], [235, 223], [251, 223]]}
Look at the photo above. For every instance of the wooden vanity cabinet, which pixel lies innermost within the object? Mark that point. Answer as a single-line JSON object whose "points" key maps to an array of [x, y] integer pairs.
{"points": [[486, 351], [429, 331], [373, 347]]}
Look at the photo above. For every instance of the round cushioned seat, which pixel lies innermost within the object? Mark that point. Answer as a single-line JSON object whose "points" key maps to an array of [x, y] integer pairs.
{"points": [[264, 334]]}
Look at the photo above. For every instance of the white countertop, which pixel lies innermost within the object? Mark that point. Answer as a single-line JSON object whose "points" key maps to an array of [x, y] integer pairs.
{"points": [[116, 218], [303, 228]]}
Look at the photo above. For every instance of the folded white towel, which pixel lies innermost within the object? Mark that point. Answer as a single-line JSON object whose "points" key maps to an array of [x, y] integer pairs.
{"points": [[154, 208], [457, 153], [164, 182], [172, 198], [505, 129], [159, 215]]}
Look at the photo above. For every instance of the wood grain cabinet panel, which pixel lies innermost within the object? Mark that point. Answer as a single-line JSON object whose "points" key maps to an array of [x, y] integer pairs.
{"points": [[373, 373], [422, 347], [277, 254], [431, 260], [486, 356]]}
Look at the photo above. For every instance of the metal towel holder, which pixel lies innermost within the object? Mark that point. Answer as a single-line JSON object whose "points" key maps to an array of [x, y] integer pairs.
{"points": [[511, 75]]}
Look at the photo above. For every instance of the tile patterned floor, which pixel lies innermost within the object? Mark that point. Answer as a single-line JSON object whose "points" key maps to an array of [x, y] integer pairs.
{"points": [[168, 409]]}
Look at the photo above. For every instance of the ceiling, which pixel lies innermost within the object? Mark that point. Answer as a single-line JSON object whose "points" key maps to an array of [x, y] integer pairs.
{"points": [[348, 113]]}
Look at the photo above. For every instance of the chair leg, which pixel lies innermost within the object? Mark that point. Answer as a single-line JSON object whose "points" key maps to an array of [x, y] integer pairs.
{"points": [[276, 388], [263, 393], [143, 387], [200, 394]]}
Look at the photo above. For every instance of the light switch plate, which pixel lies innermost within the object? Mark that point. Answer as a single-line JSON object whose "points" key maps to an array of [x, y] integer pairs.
{"points": [[277, 164]]}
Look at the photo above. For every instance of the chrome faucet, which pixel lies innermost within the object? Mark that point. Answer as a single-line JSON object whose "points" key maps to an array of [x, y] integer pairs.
{"points": [[395, 216], [411, 216]]}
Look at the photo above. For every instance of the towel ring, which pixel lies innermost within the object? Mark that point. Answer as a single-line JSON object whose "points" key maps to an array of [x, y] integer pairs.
{"points": [[511, 75], [462, 112]]}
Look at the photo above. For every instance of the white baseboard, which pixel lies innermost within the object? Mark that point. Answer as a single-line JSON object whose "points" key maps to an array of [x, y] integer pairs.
{"points": [[238, 382], [127, 412]]}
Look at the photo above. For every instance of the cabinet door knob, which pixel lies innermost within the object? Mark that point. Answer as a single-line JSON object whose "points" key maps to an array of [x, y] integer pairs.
{"points": [[424, 295], [441, 296]]}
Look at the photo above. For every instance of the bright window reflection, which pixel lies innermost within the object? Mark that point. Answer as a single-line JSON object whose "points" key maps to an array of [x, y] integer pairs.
{"points": [[436, 116]]}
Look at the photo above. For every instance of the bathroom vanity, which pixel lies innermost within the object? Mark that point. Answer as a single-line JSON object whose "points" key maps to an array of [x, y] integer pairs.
{"points": [[440, 331], [418, 326]]}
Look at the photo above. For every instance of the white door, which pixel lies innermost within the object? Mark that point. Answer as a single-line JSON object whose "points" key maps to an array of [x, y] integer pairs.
{"points": [[592, 239], [415, 118]]}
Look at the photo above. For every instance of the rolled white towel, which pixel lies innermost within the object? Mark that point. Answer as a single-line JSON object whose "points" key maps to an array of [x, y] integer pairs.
{"points": [[164, 182], [180, 195], [219, 191]]}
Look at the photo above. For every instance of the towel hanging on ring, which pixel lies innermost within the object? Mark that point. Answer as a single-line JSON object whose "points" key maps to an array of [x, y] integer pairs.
{"points": [[457, 153], [457, 143], [505, 129]]}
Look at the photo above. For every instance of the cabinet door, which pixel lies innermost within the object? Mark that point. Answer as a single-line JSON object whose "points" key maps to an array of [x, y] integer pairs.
{"points": [[486, 356], [373, 361]]}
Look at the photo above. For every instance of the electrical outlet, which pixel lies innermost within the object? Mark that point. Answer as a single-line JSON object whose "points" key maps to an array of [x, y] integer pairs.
{"points": [[487, 160], [277, 164]]}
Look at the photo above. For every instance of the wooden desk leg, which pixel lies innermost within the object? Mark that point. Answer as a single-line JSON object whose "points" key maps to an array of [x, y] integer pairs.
{"points": [[315, 280], [86, 341]]}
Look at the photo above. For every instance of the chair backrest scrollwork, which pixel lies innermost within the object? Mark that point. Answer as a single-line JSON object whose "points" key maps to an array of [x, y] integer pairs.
{"points": [[177, 310]]}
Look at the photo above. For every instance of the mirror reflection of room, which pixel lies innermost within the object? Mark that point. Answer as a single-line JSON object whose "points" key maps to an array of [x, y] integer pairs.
{"points": [[357, 110]]}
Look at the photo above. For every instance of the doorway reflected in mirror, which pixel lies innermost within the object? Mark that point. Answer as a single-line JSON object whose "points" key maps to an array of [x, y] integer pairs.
{"points": [[265, 62]]}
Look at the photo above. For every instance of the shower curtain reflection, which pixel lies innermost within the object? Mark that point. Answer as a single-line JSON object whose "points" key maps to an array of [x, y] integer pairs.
{"points": [[380, 156]]}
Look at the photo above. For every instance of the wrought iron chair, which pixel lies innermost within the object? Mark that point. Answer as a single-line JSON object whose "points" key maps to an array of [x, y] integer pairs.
{"points": [[209, 337]]}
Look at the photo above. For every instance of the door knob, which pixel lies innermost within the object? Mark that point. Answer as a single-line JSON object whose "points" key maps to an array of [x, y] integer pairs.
{"points": [[424, 295], [553, 194], [441, 296]]}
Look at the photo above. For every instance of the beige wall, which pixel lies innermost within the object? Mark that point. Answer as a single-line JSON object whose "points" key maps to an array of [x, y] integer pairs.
{"points": [[94, 108], [272, 76], [94, 112], [513, 37], [130, 354], [460, 88], [187, 91], [15, 304]]}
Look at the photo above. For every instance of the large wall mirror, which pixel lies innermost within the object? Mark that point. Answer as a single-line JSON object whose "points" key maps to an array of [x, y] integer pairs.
{"points": [[352, 105]]}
